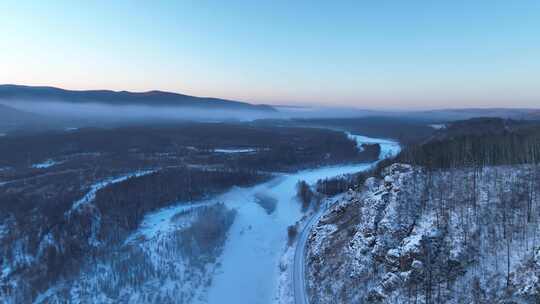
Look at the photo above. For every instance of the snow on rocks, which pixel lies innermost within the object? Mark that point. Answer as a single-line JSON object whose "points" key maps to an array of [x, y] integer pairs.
{"points": [[410, 228], [527, 276]]}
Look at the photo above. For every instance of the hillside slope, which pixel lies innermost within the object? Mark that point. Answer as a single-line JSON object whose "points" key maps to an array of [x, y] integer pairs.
{"points": [[411, 236], [454, 219]]}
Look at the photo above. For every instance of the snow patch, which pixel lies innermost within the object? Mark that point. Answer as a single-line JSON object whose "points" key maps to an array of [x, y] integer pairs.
{"points": [[91, 195], [46, 164], [163, 221], [438, 126], [238, 150], [389, 148]]}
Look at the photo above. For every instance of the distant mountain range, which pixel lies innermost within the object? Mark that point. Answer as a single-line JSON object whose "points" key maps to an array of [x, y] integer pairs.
{"points": [[11, 92], [42, 108]]}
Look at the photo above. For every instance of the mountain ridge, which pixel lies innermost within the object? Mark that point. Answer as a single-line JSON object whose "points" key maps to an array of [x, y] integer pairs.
{"points": [[9, 92]]}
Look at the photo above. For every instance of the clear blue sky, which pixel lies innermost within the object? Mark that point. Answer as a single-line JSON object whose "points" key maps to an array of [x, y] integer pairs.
{"points": [[367, 54]]}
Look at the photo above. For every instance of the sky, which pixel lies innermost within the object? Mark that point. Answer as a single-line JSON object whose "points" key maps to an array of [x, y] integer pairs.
{"points": [[363, 54]]}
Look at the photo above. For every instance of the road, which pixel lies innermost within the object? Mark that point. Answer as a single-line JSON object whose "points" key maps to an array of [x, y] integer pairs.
{"points": [[299, 272], [389, 149]]}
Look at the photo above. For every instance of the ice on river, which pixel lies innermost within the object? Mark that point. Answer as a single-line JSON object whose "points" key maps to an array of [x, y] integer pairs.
{"points": [[250, 258], [249, 262], [389, 148]]}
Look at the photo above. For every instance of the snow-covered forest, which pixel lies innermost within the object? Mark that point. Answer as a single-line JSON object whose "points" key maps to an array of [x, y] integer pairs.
{"points": [[414, 236], [459, 225]]}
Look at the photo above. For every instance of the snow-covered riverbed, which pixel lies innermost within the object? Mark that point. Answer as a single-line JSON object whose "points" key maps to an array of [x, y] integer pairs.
{"points": [[247, 270], [250, 259]]}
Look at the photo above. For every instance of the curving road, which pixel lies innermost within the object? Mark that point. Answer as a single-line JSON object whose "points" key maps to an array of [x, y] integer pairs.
{"points": [[389, 148], [299, 272]]}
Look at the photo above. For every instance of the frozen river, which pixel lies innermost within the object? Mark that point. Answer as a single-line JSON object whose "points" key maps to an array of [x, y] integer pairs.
{"points": [[250, 259]]}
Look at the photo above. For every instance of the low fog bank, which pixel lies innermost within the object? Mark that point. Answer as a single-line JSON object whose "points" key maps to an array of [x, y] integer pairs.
{"points": [[120, 113], [290, 112], [438, 115], [29, 115], [144, 112], [83, 114]]}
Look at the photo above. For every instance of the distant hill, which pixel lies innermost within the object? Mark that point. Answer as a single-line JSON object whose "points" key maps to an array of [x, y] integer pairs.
{"points": [[478, 142], [482, 126], [468, 113], [151, 98]]}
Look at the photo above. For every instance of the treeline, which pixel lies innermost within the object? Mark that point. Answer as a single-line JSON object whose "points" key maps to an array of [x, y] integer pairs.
{"points": [[41, 224], [506, 147], [405, 130], [275, 147], [324, 150], [206, 236], [474, 143], [123, 205], [335, 185]]}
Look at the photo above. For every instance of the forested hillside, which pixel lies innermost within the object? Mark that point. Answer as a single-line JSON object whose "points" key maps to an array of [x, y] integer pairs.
{"points": [[455, 219], [478, 143]]}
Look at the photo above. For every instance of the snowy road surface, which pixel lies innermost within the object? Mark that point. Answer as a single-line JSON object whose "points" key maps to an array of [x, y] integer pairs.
{"points": [[299, 283]]}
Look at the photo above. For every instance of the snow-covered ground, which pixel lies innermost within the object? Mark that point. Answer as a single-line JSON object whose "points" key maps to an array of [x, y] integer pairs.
{"points": [[232, 151], [249, 267], [411, 228], [91, 195], [163, 221], [247, 270], [250, 260], [389, 148], [438, 126], [46, 164]]}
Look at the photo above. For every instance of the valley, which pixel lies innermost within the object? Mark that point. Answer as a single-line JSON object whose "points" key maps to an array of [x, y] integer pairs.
{"points": [[130, 202]]}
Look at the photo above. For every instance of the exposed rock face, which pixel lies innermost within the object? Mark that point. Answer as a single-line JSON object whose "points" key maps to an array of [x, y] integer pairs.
{"points": [[411, 236]]}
